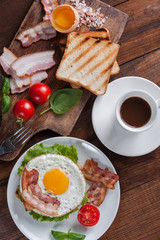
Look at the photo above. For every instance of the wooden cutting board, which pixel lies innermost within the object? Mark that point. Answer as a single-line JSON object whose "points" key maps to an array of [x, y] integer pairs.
{"points": [[62, 124]]}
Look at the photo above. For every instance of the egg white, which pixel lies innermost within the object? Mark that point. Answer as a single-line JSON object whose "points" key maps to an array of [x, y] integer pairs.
{"points": [[77, 183]]}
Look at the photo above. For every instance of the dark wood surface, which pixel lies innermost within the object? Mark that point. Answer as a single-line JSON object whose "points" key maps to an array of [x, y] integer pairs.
{"points": [[62, 124], [138, 217]]}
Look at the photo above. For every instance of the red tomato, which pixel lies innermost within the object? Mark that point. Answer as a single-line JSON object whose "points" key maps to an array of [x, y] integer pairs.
{"points": [[39, 93], [88, 215], [23, 109]]}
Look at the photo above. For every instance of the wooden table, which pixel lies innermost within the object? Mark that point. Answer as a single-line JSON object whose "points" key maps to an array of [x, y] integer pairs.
{"points": [[138, 217]]}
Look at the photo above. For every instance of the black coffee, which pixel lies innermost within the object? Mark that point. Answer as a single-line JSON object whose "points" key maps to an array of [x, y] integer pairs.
{"points": [[135, 111]]}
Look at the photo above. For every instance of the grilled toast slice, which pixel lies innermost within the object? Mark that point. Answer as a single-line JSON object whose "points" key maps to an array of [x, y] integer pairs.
{"points": [[88, 62], [102, 33]]}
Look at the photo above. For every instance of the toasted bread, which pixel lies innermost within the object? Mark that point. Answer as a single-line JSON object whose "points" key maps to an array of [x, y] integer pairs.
{"points": [[88, 62], [101, 33]]}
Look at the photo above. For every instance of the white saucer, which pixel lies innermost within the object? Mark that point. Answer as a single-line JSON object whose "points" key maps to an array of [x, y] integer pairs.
{"points": [[106, 126]]}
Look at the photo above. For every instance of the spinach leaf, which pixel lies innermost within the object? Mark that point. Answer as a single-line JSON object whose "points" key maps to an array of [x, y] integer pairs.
{"points": [[6, 86], [63, 100], [70, 235], [6, 101]]}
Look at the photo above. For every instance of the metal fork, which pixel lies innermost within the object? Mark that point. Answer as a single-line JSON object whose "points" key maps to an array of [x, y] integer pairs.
{"points": [[14, 141]]}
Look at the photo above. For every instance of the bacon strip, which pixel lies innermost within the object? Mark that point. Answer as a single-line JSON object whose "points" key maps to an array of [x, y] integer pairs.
{"points": [[49, 6], [6, 59], [18, 84], [95, 174], [36, 190], [36, 203], [29, 177], [96, 193], [31, 63], [42, 30], [33, 196]]}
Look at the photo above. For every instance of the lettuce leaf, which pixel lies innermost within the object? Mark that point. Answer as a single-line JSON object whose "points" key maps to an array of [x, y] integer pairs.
{"points": [[19, 194], [85, 200], [39, 149], [42, 218]]}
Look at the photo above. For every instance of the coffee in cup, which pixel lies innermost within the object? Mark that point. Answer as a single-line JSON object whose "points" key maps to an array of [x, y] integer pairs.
{"points": [[137, 111]]}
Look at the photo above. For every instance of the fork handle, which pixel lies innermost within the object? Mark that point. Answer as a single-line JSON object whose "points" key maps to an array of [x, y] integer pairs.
{"points": [[2, 150]]}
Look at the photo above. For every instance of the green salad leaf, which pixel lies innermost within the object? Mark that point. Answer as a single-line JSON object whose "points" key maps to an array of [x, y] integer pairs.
{"points": [[39, 149], [19, 194], [63, 100], [70, 235], [85, 199], [42, 218]]}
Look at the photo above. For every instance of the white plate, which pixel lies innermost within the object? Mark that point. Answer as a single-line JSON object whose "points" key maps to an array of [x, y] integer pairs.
{"points": [[105, 124], [36, 230]]}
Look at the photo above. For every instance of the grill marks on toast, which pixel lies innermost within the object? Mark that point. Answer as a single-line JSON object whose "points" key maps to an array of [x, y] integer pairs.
{"points": [[90, 58], [88, 61], [101, 62], [77, 46]]}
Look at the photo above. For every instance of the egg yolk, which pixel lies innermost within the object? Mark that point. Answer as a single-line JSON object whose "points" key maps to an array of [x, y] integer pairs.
{"points": [[65, 18], [56, 181]]}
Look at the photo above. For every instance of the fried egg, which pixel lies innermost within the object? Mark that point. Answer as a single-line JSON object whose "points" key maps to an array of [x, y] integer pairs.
{"points": [[60, 178]]}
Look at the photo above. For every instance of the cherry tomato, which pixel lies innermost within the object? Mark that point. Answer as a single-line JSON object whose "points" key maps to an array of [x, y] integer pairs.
{"points": [[23, 109], [88, 215], [39, 93]]}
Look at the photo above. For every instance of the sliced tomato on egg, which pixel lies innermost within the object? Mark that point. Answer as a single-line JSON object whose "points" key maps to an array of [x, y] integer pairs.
{"points": [[88, 215]]}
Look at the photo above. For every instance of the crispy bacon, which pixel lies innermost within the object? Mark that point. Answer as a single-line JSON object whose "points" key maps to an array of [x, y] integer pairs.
{"points": [[96, 174], [33, 196], [49, 6], [42, 30], [36, 190], [96, 193], [31, 63], [29, 177]]}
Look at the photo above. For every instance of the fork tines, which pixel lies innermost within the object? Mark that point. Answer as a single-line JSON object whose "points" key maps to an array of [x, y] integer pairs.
{"points": [[21, 135]]}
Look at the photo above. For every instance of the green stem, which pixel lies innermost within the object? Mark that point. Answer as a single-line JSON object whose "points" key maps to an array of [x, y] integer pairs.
{"points": [[20, 121], [45, 110]]}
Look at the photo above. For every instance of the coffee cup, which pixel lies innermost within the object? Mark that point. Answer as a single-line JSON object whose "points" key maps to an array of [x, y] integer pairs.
{"points": [[137, 111]]}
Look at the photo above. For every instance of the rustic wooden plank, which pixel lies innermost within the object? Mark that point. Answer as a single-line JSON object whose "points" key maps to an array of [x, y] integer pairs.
{"points": [[141, 35], [138, 216], [146, 66], [61, 124], [10, 19], [115, 2]]}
